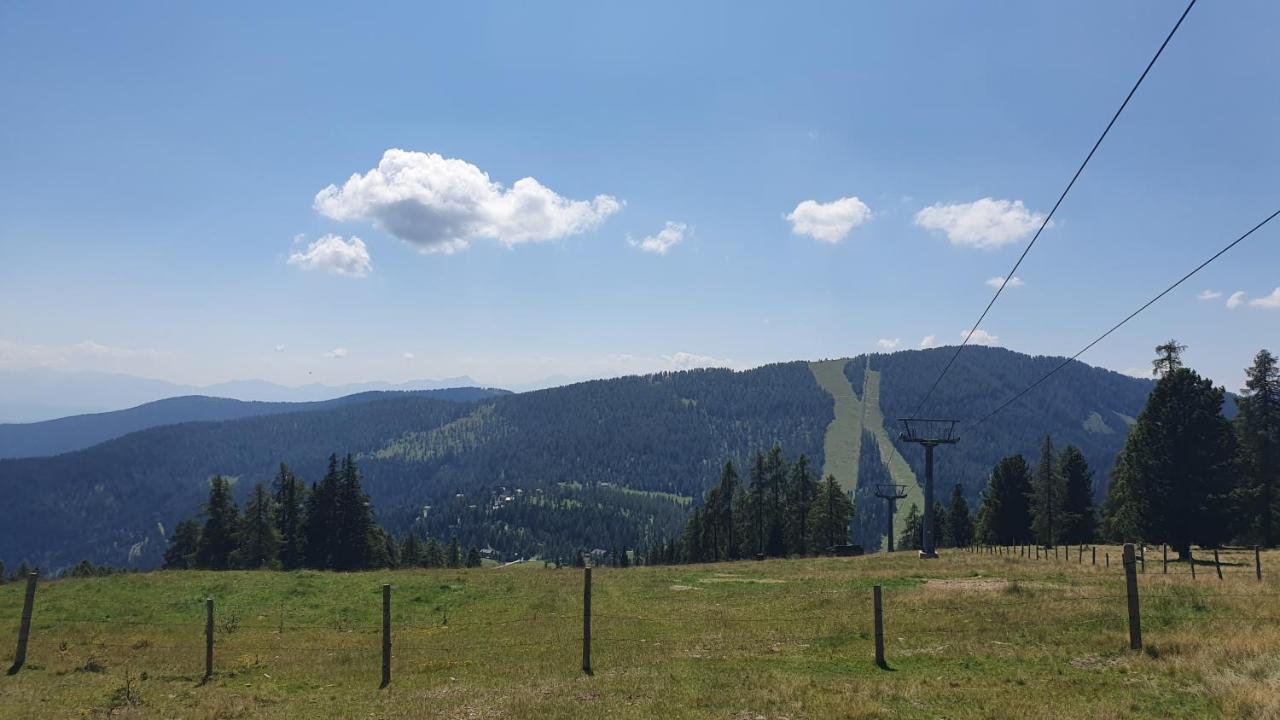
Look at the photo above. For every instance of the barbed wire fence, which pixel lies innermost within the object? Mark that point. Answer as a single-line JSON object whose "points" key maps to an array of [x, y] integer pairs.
{"points": [[851, 624]]}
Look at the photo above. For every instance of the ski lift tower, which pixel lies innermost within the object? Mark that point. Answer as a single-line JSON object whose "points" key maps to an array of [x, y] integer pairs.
{"points": [[891, 494], [930, 433]]}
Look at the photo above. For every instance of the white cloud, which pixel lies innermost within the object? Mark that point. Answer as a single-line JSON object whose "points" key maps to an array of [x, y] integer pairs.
{"points": [[1236, 299], [441, 204], [337, 353], [829, 222], [887, 344], [1270, 302], [84, 354], [994, 283], [980, 337], [667, 238], [336, 256], [987, 223], [408, 356], [685, 360], [278, 348], [1209, 295], [928, 341]]}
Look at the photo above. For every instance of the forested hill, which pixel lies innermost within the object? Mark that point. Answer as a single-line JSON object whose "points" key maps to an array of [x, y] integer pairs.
{"points": [[608, 462], [53, 437]]}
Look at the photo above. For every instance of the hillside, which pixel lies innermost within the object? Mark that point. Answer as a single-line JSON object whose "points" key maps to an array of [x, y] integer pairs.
{"points": [[53, 437], [609, 463]]}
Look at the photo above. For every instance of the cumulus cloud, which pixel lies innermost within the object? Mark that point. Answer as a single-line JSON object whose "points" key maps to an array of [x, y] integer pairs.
{"points": [[1236, 299], [1209, 295], [928, 341], [685, 360], [887, 344], [994, 283], [987, 223], [336, 256], [441, 204], [1270, 302], [980, 337], [829, 222], [337, 353], [667, 238]]}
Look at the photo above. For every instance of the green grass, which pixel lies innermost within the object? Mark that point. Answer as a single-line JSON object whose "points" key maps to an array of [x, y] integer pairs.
{"points": [[843, 441], [968, 636]]}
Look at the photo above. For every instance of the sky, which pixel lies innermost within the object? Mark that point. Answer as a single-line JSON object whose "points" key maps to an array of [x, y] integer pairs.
{"points": [[334, 193]]}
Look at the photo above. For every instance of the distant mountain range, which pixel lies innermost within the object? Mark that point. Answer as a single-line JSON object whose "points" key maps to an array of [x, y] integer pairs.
{"points": [[605, 463]]}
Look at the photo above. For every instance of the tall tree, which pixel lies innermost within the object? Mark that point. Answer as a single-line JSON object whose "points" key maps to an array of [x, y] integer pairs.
{"points": [[410, 551], [357, 542], [1168, 358], [757, 501], [473, 557], [181, 553], [802, 488], [1258, 431], [775, 524], [1046, 496], [259, 545], [1173, 479], [320, 523], [1079, 518], [959, 520], [941, 533], [290, 494], [912, 535], [454, 557], [433, 555], [222, 519], [1004, 516], [829, 516]]}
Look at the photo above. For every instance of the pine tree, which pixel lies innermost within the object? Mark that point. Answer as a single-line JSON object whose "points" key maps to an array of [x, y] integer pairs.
{"points": [[1258, 430], [433, 555], [411, 551], [1173, 479], [829, 516], [775, 515], [358, 544], [757, 501], [1079, 518], [1004, 517], [728, 499], [912, 537], [454, 557], [473, 557], [1168, 358], [959, 521], [941, 532], [320, 523], [1046, 497], [181, 553], [2, 575], [802, 488], [222, 520], [259, 541], [290, 494]]}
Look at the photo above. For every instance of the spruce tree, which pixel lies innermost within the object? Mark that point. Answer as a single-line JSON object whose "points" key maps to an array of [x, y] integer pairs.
{"points": [[1168, 358], [802, 488], [829, 516], [1173, 479], [1258, 431], [776, 471], [357, 544], [433, 555], [221, 526], [290, 494], [2, 575], [1046, 497], [912, 536], [959, 521], [941, 532], [1004, 516], [454, 557], [1079, 518], [181, 553], [757, 501], [410, 551], [259, 541], [320, 523], [473, 557]]}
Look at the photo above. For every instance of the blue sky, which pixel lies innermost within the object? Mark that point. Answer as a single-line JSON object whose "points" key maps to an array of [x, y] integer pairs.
{"points": [[160, 166]]}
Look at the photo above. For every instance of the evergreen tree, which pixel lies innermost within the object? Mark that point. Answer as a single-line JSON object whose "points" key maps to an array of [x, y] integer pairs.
{"points": [[728, 500], [941, 533], [1046, 497], [775, 515], [259, 541], [385, 550], [912, 537], [433, 555], [829, 516], [757, 502], [411, 551], [2, 575], [473, 557], [290, 494], [181, 553], [1173, 479], [222, 519], [1004, 517], [319, 525], [1258, 431], [802, 488], [358, 543], [1079, 519], [454, 558], [1168, 358], [959, 521]]}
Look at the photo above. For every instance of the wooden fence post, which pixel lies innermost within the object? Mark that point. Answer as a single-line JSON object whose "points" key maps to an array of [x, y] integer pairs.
{"points": [[1257, 562], [1037, 551], [1107, 556], [1142, 556], [386, 636], [1217, 564], [878, 607], [586, 620], [208, 639], [1093, 555], [1131, 588], [1164, 552], [1191, 560], [24, 629]]}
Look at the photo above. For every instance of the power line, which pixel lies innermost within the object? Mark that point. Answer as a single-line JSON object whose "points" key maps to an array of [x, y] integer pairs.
{"points": [[1131, 316], [1048, 218]]}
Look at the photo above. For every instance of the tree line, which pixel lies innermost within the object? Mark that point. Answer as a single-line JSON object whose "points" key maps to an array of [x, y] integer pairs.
{"points": [[329, 526]]}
